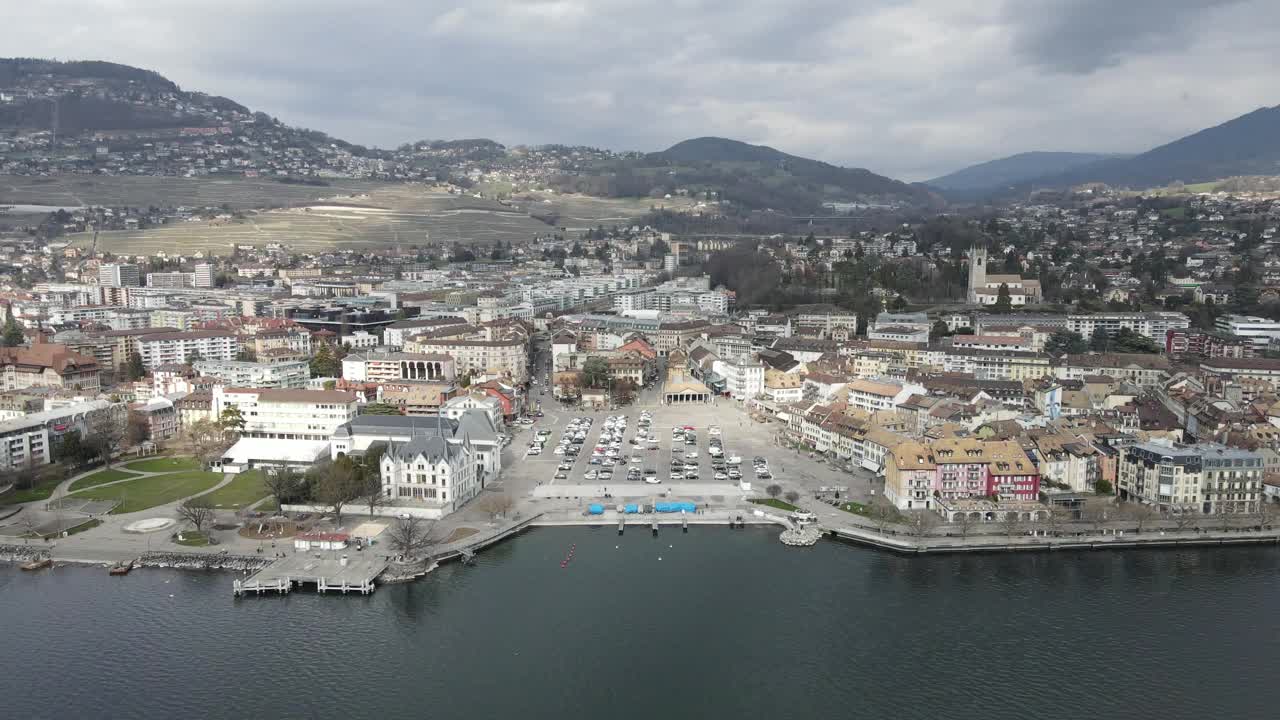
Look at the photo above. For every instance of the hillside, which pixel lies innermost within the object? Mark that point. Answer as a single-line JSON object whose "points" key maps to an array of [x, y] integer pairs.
{"points": [[748, 177], [1247, 145], [1013, 169]]}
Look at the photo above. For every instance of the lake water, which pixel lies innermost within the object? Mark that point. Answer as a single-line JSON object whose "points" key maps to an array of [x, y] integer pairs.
{"points": [[712, 624]]}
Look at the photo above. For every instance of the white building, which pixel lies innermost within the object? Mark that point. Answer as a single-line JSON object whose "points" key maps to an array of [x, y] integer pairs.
{"points": [[873, 395], [204, 275], [28, 440], [360, 340], [238, 373], [474, 427], [119, 275], [287, 414], [182, 347], [742, 380], [1260, 331], [429, 476]]}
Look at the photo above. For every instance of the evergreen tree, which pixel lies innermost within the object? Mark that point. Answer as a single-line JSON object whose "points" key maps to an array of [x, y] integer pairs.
{"points": [[1004, 303], [135, 369], [13, 336], [1100, 341]]}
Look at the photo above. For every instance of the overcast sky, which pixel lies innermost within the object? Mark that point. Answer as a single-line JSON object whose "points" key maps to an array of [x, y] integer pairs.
{"points": [[909, 88]]}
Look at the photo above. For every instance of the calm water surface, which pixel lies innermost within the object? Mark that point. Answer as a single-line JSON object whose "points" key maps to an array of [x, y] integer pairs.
{"points": [[713, 624]]}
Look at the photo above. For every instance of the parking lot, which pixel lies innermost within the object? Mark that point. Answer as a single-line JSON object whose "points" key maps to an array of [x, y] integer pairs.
{"points": [[601, 463]]}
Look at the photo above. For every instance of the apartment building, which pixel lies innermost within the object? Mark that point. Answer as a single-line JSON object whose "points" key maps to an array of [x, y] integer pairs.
{"points": [[238, 373], [1258, 331], [183, 347], [917, 474], [119, 275], [28, 440], [486, 359], [1205, 478]]}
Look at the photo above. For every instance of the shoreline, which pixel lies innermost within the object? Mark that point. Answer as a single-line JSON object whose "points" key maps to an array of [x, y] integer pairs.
{"points": [[408, 572]]}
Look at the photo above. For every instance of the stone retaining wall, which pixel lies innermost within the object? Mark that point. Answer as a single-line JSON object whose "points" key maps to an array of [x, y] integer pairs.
{"points": [[203, 561], [22, 553]]}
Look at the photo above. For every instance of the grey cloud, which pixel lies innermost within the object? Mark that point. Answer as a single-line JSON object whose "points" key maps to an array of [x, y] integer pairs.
{"points": [[909, 88], [1081, 36]]}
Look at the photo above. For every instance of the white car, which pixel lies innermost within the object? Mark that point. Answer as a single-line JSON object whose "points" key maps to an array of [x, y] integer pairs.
{"points": [[535, 451], [636, 459], [735, 460], [691, 456], [558, 451], [713, 430], [653, 480], [721, 476]]}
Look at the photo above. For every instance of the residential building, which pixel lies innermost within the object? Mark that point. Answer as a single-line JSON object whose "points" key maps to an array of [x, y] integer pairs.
{"points": [[183, 347], [28, 440], [1256, 330], [1205, 478], [239, 373], [48, 365], [918, 473], [119, 275]]}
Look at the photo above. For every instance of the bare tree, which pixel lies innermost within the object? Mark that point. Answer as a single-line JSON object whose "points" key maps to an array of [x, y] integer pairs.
{"points": [[1141, 514], [339, 485], [883, 515], [196, 511], [963, 522], [106, 432], [410, 536], [1098, 518], [372, 494], [206, 440], [921, 522], [773, 491], [1054, 518], [1264, 514], [1186, 519], [497, 504], [1223, 518], [1011, 523], [284, 484], [792, 496], [137, 429]]}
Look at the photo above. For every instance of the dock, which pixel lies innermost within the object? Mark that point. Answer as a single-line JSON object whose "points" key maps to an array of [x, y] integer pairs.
{"points": [[342, 572]]}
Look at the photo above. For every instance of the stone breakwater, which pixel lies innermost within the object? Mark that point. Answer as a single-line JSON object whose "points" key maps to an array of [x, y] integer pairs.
{"points": [[21, 553], [203, 561], [401, 572]]}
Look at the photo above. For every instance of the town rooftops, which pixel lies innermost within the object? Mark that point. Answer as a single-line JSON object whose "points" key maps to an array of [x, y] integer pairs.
{"points": [[295, 396]]}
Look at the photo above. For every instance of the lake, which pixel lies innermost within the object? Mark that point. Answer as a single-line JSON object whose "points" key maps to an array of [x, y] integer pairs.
{"points": [[715, 623]]}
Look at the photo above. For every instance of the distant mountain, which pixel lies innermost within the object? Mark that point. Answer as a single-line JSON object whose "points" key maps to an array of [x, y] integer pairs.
{"points": [[1247, 145], [757, 176], [1015, 168]]}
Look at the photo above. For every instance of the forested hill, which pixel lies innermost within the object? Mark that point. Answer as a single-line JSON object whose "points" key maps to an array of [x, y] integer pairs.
{"points": [[1013, 169], [746, 177], [1246, 145]]}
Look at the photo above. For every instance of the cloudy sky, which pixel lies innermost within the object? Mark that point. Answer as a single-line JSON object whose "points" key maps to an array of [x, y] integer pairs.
{"points": [[908, 88]]}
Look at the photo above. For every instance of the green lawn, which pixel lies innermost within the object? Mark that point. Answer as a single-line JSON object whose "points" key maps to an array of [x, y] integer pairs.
{"points": [[855, 508], [164, 464], [774, 503], [41, 491], [1176, 213], [101, 477], [149, 492], [191, 538], [246, 489], [268, 505]]}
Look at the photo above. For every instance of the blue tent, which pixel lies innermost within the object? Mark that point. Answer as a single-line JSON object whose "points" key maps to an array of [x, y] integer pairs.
{"points": [[595, 509], [631, 508]]}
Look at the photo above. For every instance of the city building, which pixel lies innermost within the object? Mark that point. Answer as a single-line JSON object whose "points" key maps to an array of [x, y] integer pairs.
{"points": [[48, 365], [119, 275], [239, 373], [1206, 478], [184, 347]]}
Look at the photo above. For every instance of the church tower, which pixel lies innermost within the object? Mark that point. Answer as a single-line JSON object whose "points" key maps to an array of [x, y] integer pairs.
{"points": [[977, 271]]}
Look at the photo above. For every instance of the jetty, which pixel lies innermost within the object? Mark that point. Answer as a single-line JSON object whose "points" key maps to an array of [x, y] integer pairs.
{"points": [[328, 571]]}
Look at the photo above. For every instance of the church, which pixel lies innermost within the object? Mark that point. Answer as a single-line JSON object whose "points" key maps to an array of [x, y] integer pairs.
{"points": [[984, 289]]}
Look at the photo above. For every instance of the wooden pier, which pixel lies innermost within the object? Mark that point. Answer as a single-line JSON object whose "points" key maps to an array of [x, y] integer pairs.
{"points": [[344, 572]]}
